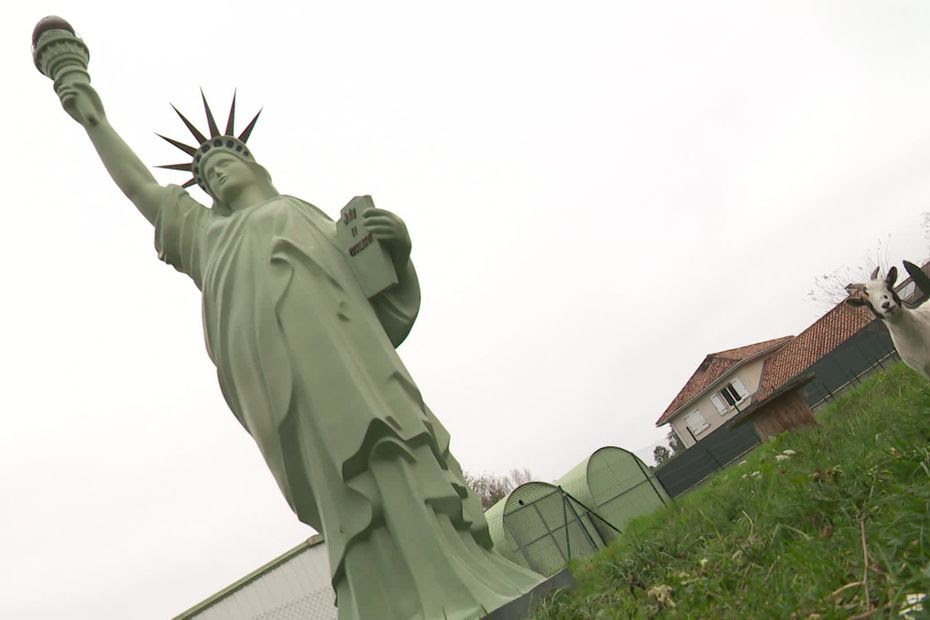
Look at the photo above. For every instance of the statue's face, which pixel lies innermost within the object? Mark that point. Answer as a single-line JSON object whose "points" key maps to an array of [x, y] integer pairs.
{"points": [[227, 175]]}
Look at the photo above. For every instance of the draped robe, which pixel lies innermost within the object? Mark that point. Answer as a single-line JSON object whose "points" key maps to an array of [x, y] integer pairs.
{"points": [[307, 364]]}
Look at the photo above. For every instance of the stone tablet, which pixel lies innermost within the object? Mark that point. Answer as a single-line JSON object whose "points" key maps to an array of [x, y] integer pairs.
{"points": [[370, 261]]}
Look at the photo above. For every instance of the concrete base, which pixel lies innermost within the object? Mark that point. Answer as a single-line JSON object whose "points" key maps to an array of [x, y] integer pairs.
{"points": [[522, 608]]}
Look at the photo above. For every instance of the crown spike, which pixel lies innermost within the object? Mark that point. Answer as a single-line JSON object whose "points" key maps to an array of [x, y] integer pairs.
{"points": [[244, 136], [190, 150], [232, 117], [214, 130], [227, 141], [181, 167], [190, 126]]}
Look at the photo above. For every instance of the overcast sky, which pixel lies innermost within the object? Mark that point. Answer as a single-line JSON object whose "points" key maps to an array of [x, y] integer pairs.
{"points": [[598, 195]]}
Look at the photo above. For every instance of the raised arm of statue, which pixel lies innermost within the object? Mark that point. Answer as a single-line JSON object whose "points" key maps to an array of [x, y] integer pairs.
{"points": [[62, 56], [82, 102], [306, 366]]}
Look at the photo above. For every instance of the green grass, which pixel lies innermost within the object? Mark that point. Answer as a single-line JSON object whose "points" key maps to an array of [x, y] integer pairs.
{"points": [[789, 541]]}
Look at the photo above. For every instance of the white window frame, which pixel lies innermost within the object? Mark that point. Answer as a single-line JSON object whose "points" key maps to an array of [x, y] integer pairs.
{"points": [[721, 404], [697, 429]]}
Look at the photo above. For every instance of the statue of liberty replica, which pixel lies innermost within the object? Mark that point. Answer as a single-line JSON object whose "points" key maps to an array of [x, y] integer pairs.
{"points": [[304, 347]]}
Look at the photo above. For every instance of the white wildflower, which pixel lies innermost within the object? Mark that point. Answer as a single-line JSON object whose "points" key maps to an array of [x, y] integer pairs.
{"points": [[788, 452], [914, 604], [756, 474], [782, 457], [743, 462], [662, 594]]}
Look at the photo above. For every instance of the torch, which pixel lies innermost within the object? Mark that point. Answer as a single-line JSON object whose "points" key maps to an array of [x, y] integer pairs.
{"points": [[58, 53]]}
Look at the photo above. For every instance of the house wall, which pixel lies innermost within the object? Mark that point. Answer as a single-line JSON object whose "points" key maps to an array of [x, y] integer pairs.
{"points": [[782, 414], [750, 374]]}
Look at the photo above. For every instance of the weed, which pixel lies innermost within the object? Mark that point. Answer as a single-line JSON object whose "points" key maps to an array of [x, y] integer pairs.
{"points": [[839, 529]]}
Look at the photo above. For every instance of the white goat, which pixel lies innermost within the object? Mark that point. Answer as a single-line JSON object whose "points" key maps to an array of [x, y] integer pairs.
{"points": [[909, 327]]}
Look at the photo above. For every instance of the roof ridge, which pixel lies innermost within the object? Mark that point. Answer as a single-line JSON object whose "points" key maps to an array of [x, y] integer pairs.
{"points": [[771, 341], [817, 340]]}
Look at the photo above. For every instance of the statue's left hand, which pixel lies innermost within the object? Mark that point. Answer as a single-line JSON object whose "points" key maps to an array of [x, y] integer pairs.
{"points": [[390, 230]]}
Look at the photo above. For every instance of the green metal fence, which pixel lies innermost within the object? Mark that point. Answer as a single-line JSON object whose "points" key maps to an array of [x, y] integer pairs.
{"points": [[714, 452], [869, 350]]}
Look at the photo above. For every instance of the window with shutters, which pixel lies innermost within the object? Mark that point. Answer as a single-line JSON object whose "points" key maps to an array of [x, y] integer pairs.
{"points": [[696, 422], [729, 396]]}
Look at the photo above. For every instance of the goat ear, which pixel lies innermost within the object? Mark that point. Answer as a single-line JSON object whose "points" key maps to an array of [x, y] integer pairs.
{"points": [[856, 294], [921, 279], [874, 274], [891, 277]]}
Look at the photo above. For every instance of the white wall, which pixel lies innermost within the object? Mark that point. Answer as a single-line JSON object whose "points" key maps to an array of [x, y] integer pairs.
{"points": [[750, 374]]}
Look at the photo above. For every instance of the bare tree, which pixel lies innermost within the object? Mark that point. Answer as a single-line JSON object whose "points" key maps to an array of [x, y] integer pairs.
{"points": [[830, 288], [520, 476], [491, 488]]}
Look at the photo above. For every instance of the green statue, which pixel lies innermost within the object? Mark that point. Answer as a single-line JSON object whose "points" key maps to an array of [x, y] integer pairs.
{"points": [[307, 363]]}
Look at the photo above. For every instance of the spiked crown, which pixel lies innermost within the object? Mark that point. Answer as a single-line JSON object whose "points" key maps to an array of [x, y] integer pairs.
{"points": [[227, 141]]}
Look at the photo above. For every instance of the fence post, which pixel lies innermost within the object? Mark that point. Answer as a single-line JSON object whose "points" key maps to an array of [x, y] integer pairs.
{"points": [[848, 373], [705, 448]]}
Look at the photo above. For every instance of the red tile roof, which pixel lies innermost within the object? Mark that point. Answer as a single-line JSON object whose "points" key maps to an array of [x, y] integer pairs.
{"points": [[825, 334], [787, 361], [713, 368]]}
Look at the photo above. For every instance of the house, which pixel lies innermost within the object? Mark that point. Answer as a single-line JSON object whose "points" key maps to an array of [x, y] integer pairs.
{"points": [[723, 385], [834, 353], [838, 350], [740, 397], [777, 384]]}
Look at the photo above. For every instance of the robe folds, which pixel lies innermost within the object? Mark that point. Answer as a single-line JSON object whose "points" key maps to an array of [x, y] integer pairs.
{"points": [[307, 365]]}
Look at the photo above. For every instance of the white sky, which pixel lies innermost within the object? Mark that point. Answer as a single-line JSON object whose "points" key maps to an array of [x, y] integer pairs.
{"points": [[598, 195]]}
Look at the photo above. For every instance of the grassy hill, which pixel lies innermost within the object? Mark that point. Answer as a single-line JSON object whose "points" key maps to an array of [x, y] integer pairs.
{"points": [[840, 528]]}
